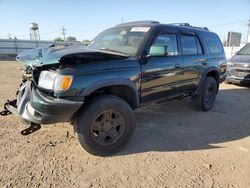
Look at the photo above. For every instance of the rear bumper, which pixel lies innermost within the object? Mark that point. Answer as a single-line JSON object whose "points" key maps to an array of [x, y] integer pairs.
{"points": [[35, 106]]}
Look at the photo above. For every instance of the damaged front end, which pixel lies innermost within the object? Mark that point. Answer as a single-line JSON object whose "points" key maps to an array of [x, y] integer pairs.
{"points": [[45, 95], [12, 106], [18, 106], [35, 105]]}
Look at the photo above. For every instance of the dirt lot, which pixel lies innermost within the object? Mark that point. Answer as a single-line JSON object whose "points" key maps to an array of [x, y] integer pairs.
{"points": [[173, 146]]}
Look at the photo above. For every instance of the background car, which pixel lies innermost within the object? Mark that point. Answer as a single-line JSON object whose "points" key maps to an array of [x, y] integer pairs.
{"points": [[238, 67]]}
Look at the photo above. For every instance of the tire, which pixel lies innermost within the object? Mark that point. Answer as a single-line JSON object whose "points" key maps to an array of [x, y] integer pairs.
{"points": [[205, 101], [105, 125]]}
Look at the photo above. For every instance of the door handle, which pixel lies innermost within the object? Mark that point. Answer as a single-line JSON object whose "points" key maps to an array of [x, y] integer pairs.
{"points": [[177, 66], [202, 61], [199, 60]]}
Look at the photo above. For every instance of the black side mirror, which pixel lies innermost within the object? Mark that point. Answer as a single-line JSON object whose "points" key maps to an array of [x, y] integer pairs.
{"points": [[144, 57]]}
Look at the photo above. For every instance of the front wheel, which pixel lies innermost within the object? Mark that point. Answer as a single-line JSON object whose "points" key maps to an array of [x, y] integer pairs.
{"points": [[105, 125], [206, 99]]}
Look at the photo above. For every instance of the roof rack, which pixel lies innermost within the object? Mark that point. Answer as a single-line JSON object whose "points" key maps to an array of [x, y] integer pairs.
{"points": [[180, 24], [188, 25], [140, 22]]}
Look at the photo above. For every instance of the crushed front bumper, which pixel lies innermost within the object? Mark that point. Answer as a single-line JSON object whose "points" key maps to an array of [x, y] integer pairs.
{"points": [[34, 106]]}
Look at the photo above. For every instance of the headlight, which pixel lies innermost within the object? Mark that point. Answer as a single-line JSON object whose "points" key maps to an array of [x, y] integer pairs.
{"points": [[54, 81], [230, 64]]}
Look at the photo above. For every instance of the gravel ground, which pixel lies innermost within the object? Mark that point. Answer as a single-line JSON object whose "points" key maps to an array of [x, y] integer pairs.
{"points": [[173, 146]]}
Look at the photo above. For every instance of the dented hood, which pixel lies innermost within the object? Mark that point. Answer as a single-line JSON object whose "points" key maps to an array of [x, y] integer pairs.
{"points": [[53, 55]]}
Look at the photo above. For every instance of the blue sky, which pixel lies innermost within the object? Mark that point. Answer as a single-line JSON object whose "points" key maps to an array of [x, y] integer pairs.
{"points": [[85, 19]]}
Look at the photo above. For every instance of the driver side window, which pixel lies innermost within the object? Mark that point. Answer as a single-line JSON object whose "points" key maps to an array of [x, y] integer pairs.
{"points": [[164, 45]]}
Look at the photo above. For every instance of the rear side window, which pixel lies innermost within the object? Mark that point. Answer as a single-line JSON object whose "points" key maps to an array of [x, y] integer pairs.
{"points": [[190, 45], [213, 43]]}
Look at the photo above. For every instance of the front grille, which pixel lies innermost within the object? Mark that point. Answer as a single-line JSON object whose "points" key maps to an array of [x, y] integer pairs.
{"points": [[243, 70], [241, 73], [240, 65]]}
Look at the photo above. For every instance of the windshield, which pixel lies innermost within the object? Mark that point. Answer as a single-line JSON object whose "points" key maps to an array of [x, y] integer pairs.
{"points": [[125, 40], [245, 50]]}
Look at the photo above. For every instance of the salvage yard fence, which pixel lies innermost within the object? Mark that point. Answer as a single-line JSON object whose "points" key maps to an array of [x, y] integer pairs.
{"points": [[9, 48]]}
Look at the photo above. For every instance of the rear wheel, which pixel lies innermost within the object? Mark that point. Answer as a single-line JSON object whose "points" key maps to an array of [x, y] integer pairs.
{"points": [[206, 99], [105, 125]]}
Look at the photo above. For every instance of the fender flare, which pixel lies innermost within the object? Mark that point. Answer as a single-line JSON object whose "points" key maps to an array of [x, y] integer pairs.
{"points": [[203, 77], [112, 82]]}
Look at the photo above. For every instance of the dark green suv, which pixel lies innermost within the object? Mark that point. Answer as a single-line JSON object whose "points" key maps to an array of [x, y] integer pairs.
{"points": [[96, 87]]}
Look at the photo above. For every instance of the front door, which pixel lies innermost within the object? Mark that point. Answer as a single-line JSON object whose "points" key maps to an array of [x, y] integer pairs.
{"points": [[162, 74]]}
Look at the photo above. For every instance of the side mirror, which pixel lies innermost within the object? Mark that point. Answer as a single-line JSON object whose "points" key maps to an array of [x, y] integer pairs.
{"points": [[235, 53], [157, 50]]}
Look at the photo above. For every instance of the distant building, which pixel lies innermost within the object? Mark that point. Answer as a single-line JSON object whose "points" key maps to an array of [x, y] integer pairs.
{"points": [[233, 39]]}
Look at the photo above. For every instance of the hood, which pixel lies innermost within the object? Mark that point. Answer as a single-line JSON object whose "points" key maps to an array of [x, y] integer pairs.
{"points": [[240, 59], [56, 54]]}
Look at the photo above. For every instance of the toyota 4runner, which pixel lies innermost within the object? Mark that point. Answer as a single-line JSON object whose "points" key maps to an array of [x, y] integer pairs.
{"points": [[97, 87]]}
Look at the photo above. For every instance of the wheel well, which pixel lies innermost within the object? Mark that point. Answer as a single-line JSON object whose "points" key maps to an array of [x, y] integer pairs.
{"points": [[124, 92], [215, 75], [212, 73]]}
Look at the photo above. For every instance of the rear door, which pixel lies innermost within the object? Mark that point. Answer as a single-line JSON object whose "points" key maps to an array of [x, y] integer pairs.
{"points": [[194, 59], [161, 75], [216, 56]]}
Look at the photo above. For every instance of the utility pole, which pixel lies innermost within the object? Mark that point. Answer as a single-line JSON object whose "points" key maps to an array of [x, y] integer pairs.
{"points": [[248, 30], [122, 20], [63, 32], [9, 36]]}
